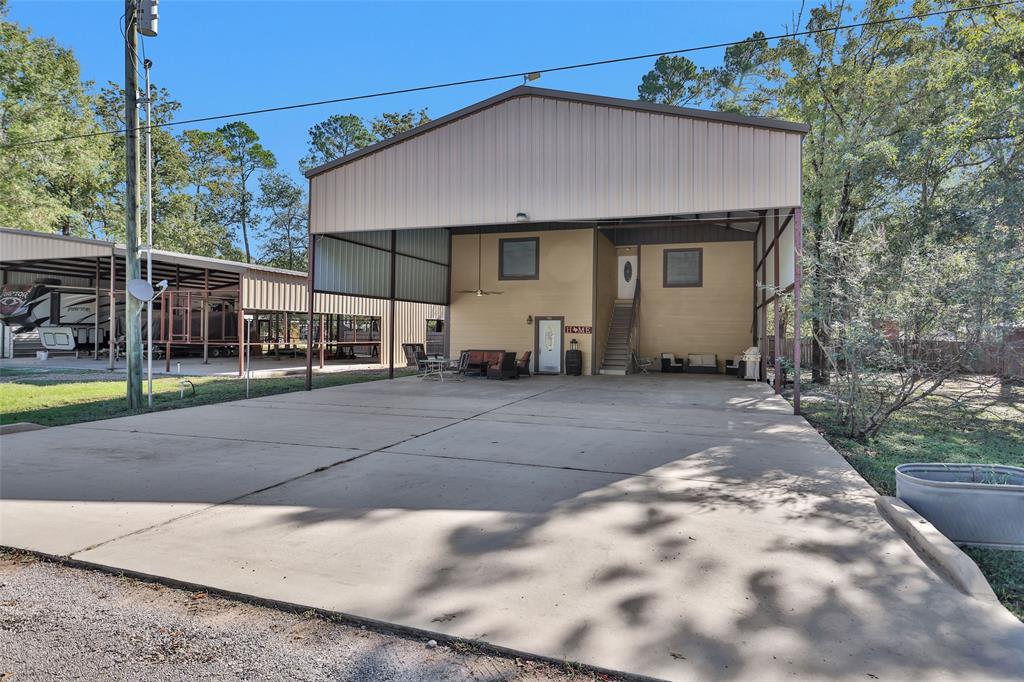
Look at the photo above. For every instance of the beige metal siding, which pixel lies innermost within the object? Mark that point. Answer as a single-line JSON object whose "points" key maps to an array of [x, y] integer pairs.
{"points": [[65, 280], [265, 290], [410, 318], [559, 160], [19, 245]]}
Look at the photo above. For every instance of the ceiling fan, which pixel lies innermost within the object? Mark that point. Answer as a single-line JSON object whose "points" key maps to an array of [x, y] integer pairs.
{"points": [[479, 260]]}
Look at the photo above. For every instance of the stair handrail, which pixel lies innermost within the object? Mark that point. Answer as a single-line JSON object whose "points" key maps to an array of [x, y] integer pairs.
{"points": [[633, 339]]}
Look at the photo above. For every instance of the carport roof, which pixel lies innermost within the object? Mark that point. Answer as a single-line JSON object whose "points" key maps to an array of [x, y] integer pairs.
{"points": [[565, 95], [26, 245]]}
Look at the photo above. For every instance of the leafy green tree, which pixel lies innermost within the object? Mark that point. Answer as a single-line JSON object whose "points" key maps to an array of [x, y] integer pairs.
{"points": [[208, 191], [342, 134], [45, 186], [738, 83], [914, 149], [169, 170], [245, 157], [911, 188], [285, 230], [335, 137], [390, 124], [676, 80]]}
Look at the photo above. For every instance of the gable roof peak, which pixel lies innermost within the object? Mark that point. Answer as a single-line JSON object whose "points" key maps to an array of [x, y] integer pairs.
{"points": [[564, 95]]}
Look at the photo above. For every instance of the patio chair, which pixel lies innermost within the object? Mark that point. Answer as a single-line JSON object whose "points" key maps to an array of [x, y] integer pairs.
{"points": [[643, 364], [457, 368], [422, 368], [523, 365], [669, 363], [505, 370]]}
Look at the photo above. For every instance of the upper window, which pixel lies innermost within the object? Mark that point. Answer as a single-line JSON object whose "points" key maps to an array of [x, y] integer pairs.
{"points": [[519, 258], [684, 267]]}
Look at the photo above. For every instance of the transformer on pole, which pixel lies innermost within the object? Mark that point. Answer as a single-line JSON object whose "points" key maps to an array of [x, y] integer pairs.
{"points": [[148, 16]]}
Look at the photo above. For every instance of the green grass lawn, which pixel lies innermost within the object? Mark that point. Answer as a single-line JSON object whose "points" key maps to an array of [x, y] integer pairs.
{"points": [[28, 395], [1005, 572], [983, 428]]}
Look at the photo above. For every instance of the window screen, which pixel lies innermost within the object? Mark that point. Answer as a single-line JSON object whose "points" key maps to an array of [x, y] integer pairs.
{"points": [[684, 267], [518, 258]]}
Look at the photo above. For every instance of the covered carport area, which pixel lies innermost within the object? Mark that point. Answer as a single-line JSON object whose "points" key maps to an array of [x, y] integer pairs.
{"points": [[517, 212], [202, 314]]}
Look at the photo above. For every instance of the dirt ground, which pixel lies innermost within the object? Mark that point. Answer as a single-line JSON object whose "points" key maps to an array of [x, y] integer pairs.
{"points": [[58, 622]]}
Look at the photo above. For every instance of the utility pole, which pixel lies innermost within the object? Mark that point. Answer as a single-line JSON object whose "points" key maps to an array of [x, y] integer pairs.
{"points": [[133, 321], [147, 64]]}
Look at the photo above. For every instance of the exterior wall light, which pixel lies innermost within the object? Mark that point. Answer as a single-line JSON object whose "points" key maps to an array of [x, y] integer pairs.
{"points": [[529, 319], [522, 217]]}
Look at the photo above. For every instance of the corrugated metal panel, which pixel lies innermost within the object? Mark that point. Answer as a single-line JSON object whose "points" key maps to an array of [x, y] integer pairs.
{"points": [[675, 234], [18, 245], [556, 160], [410, 318], [418, 280], [379, 238], [65, 280], [429, 244], [275, 291], [351, 268]]}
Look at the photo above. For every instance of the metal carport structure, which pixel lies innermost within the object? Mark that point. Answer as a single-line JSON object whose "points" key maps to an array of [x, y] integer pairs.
{"points": [[207, 299], [531, 159]]}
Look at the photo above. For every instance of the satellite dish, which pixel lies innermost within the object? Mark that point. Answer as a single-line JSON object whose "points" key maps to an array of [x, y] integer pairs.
{"points": [[143, 290]]}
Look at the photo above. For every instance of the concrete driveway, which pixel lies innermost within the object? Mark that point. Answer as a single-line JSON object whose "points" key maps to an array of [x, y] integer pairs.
{"points": [[678, 527]]}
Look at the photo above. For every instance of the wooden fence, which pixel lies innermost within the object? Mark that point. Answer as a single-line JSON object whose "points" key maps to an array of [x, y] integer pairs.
{"points": [[998, 359]]}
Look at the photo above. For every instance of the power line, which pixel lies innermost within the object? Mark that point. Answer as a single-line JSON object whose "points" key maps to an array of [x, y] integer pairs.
{"points": [[521, 74]]}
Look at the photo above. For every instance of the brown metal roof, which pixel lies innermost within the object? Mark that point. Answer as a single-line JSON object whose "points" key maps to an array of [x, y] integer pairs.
{"points": [[527, 91]]}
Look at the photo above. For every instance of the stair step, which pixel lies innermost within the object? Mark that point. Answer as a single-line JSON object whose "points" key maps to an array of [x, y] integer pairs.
{"points": [[612, 371]]}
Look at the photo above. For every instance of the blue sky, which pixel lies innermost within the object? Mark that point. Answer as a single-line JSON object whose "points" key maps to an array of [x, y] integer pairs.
{"points": [[221, 57]]}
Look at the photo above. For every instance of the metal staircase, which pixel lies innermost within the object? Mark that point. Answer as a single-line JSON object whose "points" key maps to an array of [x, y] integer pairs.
{"points": [[616, 351]]}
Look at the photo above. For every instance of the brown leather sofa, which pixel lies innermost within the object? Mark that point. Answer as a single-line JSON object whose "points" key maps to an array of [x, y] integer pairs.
{"points": [[479, 360]]}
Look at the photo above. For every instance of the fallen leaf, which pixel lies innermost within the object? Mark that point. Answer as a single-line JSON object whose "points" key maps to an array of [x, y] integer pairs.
{"points": [[445, 618]]}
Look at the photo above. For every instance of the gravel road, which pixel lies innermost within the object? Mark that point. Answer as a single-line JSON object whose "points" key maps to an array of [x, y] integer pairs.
{"points": [[58, 622]]}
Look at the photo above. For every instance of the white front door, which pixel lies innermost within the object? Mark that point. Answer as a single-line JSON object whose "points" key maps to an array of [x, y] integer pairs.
{"points": [[549, 346], [627, 276]]}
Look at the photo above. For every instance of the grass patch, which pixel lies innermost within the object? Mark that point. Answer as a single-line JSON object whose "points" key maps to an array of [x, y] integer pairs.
{"points": [[953, 426], [1005, 572], [983, 429], [31, 397]]}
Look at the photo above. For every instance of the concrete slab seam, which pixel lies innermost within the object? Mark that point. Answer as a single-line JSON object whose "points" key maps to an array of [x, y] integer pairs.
{"points": [[212, 505], [596, 427], [238, 440], [237, 498], [611, 472]]}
